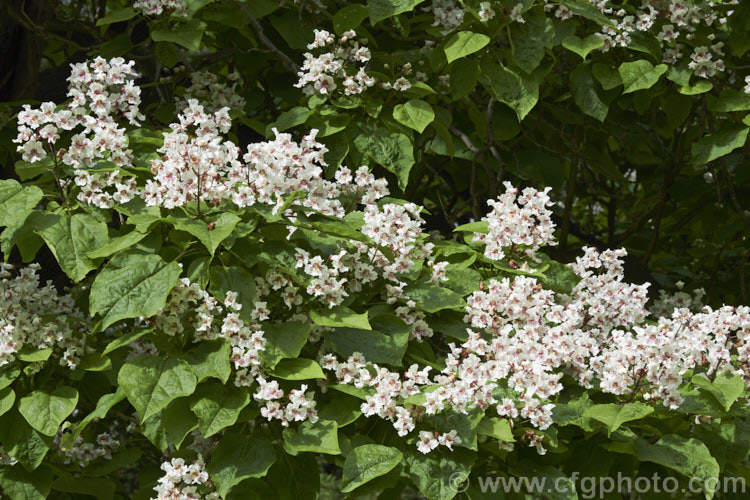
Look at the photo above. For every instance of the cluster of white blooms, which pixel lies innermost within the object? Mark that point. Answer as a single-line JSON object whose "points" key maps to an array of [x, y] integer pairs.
{"points": [[668, 302], [324, 73], [193, 169], [703, 63], [325, 283], [212, 93], [486, 12], [299, 406], [35, 317], [182, 481], [101, 93], [448, 14], [157, 7], [516, 13], [519, 222], [210, 320], [428, 441], [82, 453]]}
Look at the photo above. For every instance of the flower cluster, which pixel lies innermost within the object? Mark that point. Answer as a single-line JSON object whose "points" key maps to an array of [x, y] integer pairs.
{"points": [[82, 453], [448, 14], [101, 93], [519, 222], [428, 441], [34, 317], [324, 73], [212, 93], [157, 7], [299, 406], [181, 480]]}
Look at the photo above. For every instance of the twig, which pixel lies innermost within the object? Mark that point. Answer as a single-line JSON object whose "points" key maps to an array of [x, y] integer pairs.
{"points": [[465, 139], [268, 43]]}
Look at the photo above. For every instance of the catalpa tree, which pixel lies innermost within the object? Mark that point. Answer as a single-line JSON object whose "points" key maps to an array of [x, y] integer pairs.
{"points": [[388, 248]]}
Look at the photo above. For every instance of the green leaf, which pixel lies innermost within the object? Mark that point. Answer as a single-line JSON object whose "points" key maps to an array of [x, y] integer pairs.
{"points": [[344, 410], [560, 278], [126, 339], [45, 411], [288, 119], [8, 374], [132, 285], [481, 226], [726, 388], [385, 343], [415, 114], [340, 316], [105, 403], [613, 415], [639, 75], [718, 144], [464, 75], [217, 407], [432, 298], [700, 87], [608, 77], [729, 101], [21, 484], [211, 231], [297, 369], [464, 43], [170, 426], [167, 54], [382, 9], [187, 34], [234, 279], [392, 150], [31, 355], [521, 93], [71, 238], [367, 462], [582, 46], [687, 456], [116, 245], [151, 383], [438, 476], [498, 428], [23, 442], [528, 41], [284, 341], [7, 398], [211, 358], [239, 457], [100, 488], [117, 16], [586, 93], [349, 17], [16, 201], [320, 437]]}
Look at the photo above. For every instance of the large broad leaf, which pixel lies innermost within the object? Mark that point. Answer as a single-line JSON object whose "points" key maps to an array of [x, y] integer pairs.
{"points": [[367, 462], [171, 426], [385, 343], [320, 437], [718, 144], [687, 456], [349, 17], [7, 398], [234, 279], [499, 428], [97, 487], [726, 388], [340, 316], [210, 358], [564, 489], [45, 411], [297, 369], [521, 93], [383, 9], [117, 16], [284, 341], [151, 383], [187, 34], [415, 114], [582, 46], [392, 150], [433, 298], [613, 415], [587, 94], [529, 40], [19, 483], [103, 406], [440, 476], [117, 244], [728, 101], [217, 407], [639, 75], [16, 201], [211, 231], [132, 285], [23, 442], [71, 239], [464, 43], [239, 457]]}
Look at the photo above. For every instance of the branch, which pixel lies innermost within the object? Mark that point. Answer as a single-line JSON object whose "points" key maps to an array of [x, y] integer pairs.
{"points": [[465, 139], [268, 43]]}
